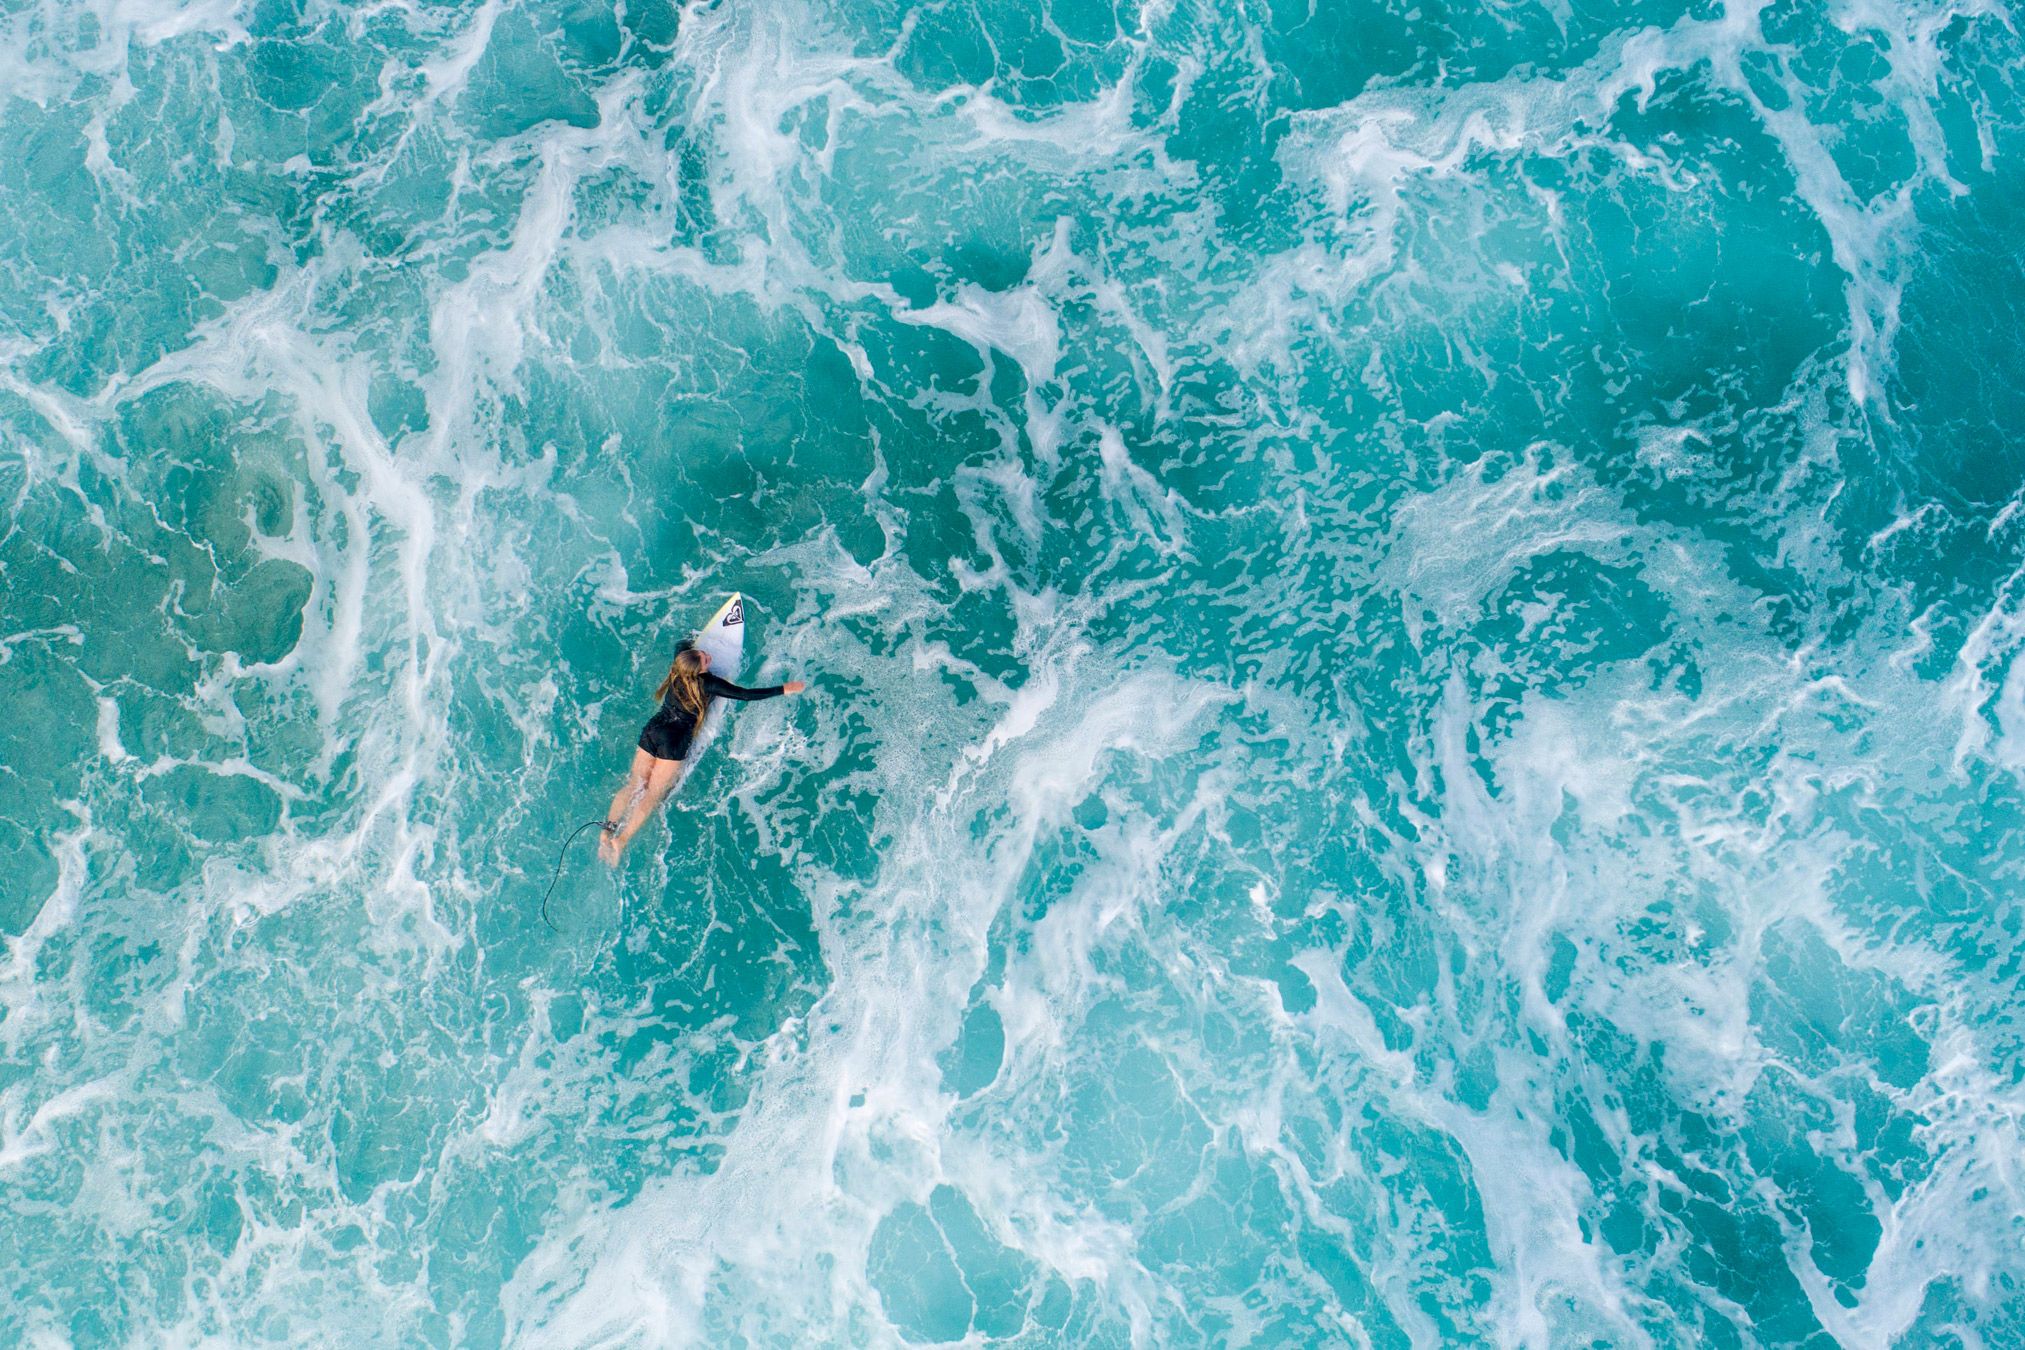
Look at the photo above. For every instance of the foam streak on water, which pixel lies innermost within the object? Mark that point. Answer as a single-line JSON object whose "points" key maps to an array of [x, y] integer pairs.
{"points": [[1417, 730]]}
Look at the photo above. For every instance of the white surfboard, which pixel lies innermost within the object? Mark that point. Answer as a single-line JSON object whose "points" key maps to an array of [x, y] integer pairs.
{"points": [[723, 639]]}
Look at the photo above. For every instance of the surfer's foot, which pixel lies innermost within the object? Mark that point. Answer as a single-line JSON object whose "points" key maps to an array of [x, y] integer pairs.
{"points": [[609, 846]]}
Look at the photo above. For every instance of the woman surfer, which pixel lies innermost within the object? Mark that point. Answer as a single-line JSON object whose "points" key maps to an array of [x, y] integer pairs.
{"points": [[685, 694]]}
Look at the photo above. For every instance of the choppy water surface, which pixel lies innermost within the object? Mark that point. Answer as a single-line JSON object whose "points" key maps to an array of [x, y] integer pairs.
{"points": [[1415, 616]]}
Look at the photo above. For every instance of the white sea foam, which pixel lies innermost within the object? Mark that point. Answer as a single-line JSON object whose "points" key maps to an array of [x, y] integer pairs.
{"points": [[1360, 157], [847, 1113], [1531, 511], [1121, 863]]}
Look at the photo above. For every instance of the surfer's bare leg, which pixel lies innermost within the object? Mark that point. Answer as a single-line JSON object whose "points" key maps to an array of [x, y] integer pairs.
{"points": [[628, 796], [662, 775]]}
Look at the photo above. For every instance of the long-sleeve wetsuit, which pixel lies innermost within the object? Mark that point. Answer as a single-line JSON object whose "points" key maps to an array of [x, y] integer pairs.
{"points": [[673, 726]]}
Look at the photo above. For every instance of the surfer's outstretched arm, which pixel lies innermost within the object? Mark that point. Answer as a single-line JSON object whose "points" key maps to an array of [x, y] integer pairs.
{"points": [[740, 694]]}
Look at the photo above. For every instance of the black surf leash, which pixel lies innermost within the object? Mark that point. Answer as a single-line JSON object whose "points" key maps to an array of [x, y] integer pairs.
{"points": [[563, 853]]}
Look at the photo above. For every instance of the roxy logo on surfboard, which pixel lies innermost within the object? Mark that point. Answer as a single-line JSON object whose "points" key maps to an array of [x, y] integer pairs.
{"points": [[736, 614]]}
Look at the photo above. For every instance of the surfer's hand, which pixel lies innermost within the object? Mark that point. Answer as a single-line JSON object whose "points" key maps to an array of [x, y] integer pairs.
{"points": [[793, 687]]}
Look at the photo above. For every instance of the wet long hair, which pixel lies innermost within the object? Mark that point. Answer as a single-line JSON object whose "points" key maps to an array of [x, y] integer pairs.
{"points": [[685, 680]]}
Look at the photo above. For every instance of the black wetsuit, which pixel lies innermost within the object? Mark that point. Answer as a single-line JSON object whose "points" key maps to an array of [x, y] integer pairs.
{"points": [[668, 735]]}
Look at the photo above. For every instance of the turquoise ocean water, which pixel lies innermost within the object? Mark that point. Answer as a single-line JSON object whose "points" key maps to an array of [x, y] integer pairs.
{"points": [[1416, 616]]}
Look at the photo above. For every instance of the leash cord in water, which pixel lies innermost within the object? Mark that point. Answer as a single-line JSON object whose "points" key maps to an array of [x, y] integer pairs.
{"points": [[560, 855]]}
